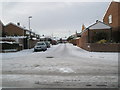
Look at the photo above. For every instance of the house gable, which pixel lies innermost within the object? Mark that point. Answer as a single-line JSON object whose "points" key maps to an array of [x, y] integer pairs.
{"points": [[112, 15]]}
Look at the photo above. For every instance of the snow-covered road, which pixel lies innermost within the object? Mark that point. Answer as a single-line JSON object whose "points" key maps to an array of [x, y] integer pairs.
{"points": [[61, 66]]}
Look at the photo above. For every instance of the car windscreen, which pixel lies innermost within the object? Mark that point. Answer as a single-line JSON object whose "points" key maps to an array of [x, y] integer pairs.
{"points": [[38, 44], [47, 43]]}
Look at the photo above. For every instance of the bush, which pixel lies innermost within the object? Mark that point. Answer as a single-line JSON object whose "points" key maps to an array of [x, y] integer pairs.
{"points": [[102, 41], [100, 36]]}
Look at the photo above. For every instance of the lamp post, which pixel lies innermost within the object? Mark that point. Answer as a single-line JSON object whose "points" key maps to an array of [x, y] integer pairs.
{"points": [[29, 31], [29, 21]]}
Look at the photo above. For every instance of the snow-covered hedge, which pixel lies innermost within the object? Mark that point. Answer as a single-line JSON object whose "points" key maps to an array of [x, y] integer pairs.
{"points": [[10, 46]]}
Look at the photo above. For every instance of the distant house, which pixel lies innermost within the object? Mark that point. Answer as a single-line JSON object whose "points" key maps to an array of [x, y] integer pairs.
{"points": [[74, 39], [112, 18]]}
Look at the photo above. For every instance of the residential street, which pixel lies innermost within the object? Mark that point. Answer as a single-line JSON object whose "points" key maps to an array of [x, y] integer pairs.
{"points": [[61, 66]]}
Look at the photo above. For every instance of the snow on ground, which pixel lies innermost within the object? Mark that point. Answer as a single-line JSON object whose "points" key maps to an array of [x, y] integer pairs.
{"points": [[61, 66], [73, 49], [23, 53], [83, 53]]}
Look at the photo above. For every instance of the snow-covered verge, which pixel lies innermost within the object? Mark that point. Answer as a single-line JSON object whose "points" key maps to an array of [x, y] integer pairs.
{"points": [[77, 51], [16, 54]]}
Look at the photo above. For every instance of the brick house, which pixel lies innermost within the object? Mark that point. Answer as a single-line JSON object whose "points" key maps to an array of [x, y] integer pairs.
{"points": [[21, 35], [87, 40], [89, 35], [1, 28], [14, 30], [112, 18], [109, 30]]}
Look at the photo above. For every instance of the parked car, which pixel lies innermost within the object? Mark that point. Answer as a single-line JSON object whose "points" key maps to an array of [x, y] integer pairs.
{"points": [[54, 42], [40, 46], [48, 44]]}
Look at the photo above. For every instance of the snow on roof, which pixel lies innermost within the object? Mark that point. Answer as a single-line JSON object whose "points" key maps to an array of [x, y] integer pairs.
{"points": [[77, 38], [20, 27], [99, 25], [7, 42], [15, 25], [42, 37], [64, 38], [15, 37], [34, 38]]}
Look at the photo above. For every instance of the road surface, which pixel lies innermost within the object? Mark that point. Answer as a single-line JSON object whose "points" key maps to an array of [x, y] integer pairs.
{"points": [[61, 66]]}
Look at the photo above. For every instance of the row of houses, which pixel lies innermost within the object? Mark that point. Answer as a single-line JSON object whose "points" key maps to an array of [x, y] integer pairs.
{"points": [[12, 29], [14, 36], [102, 35]]}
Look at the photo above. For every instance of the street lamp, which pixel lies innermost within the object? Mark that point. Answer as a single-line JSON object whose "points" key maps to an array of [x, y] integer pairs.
{"points": [[29, 21], [29, 31]]}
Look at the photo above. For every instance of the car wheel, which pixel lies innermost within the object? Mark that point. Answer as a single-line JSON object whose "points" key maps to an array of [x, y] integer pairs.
{"points": [[35, 50]]}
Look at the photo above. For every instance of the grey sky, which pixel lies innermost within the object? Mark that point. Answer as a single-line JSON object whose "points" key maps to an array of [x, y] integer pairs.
{"points": [[57, 18]]}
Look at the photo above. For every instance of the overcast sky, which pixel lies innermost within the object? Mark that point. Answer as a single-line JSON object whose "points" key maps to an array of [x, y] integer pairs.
{"points": [[58, 18]]}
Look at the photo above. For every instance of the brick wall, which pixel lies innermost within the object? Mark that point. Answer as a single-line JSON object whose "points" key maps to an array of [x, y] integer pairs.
{"points": [[108, 47], [112, 47]]}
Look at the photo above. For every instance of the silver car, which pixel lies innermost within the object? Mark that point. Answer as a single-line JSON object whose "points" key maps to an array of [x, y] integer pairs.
{"points": [[40, 46]]}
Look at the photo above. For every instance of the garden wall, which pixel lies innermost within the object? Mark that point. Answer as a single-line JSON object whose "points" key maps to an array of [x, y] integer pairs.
{"points": [[107, 47]]}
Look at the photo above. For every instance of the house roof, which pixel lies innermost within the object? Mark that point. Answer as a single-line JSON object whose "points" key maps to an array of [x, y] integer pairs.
{"points": [[99, 25], [19, 27], [16, 26]]}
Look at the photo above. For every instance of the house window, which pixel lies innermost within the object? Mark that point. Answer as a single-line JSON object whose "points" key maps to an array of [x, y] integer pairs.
{"points": [[27, 32], [110, 19], [32, 34]]}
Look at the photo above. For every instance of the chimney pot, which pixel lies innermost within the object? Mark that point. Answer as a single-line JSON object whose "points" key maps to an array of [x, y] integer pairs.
{"points": [[97, 21], [18, 24]]}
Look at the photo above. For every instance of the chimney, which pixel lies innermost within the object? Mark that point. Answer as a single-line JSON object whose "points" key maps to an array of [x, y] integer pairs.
{"points": [[18, 24], [97, 21], [83, 27]]}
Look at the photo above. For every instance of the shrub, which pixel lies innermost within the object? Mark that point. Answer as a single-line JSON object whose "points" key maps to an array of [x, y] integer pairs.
{"points": [[100, 36], [102, 41]]}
